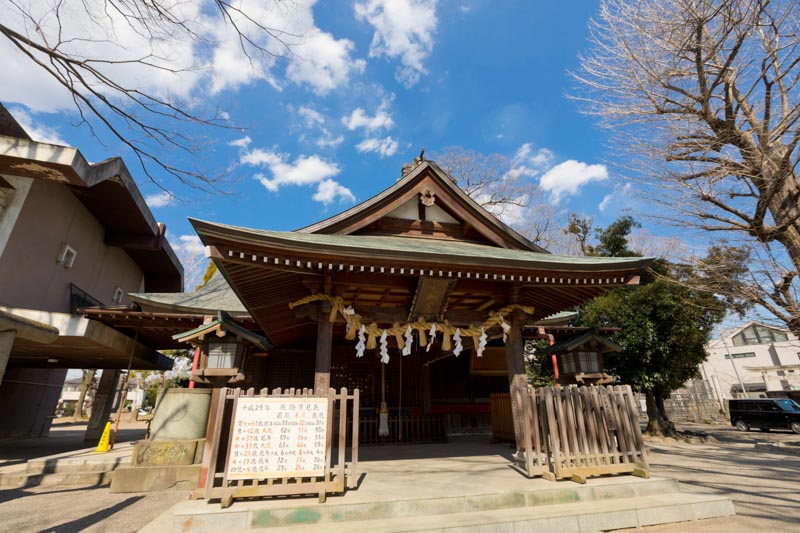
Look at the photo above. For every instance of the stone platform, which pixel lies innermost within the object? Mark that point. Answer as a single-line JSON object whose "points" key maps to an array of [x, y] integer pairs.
{"points": [[464, 485]]}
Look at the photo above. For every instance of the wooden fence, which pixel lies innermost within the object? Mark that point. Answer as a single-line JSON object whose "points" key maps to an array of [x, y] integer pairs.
{"points": [[578, 432], [235, 467], [407, 428]]}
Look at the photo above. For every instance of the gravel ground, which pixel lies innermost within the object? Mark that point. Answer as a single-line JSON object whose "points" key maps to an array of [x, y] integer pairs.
{"points": [[765, 487]]}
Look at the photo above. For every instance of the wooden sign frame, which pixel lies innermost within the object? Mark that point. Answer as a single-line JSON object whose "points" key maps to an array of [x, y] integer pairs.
{"points": [[216, 481]]}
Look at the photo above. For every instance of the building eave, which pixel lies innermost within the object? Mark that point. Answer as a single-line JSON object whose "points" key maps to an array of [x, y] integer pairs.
{"points": [[109, 192]]}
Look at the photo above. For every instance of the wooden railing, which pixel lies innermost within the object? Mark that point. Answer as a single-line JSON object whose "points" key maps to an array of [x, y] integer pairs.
{"points": [[405, 429], [578, 432]]}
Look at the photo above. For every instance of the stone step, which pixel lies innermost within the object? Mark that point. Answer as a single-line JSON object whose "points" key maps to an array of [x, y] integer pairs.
{"points": [[24, 479], [306, 511], [577, 517]]}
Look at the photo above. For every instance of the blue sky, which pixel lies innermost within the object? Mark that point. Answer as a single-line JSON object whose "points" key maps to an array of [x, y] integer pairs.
{"points": [[370, 84]]}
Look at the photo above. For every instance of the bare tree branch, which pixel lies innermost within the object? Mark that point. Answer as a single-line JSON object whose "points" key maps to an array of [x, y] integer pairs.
{"points": [[93, 67], [702, 97]]}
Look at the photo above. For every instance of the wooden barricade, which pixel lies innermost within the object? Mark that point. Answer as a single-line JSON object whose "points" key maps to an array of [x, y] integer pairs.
{"points": [[279, 444], [536, 461], [579, 432]]}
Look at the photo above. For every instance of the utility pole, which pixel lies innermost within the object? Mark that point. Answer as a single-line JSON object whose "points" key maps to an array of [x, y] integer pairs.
{"points": [[735, 370]]}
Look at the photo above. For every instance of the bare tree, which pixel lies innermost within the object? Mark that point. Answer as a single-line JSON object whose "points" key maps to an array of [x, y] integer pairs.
{"points": [[102, 52], [86, 382], [494, 182], [704, 95]]}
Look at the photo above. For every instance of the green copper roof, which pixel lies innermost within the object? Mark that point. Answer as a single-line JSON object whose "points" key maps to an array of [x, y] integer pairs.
{"points": [[576, 341], [410, 248], [216, 295], [229, 325]]}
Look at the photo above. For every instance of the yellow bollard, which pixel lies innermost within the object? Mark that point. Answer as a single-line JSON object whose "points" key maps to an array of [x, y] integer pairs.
{"points": [[102, 446]]}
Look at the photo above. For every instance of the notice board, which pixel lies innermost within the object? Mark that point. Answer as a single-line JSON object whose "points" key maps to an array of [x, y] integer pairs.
{"points": [[278, 437]]}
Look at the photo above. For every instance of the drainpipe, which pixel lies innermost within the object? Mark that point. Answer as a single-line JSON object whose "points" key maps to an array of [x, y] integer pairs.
{"points": [[195, 362]]}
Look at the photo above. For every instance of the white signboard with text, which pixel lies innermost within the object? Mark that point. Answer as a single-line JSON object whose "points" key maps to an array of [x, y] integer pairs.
{"points": [[278, 437]]}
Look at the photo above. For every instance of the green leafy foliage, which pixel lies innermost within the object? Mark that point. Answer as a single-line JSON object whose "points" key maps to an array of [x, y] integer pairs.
{"points": [[664, 325]]}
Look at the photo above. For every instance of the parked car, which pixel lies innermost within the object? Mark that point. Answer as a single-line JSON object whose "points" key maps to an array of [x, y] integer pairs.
{"points": [[765, 414]]}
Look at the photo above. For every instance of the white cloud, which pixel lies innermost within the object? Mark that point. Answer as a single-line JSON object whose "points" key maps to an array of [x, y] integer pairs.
{"points": [[382, 119], [314, 120], [312, 117], [605, 202], [201, 55], [329, 190], [568, 177], [528, 162], [38, 132], [304, 170], [328, 140], [191, 244], [244, 142], [404, 30], [89, 29], [620, 196], [161, 199], [323, 62], [385, 147], [191, 252]]}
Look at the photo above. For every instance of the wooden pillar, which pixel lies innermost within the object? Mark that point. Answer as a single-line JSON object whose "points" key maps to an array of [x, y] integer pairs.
{"points": [[322, 367], [517, 377], [102, 404], [6, 342], [426, 389]]}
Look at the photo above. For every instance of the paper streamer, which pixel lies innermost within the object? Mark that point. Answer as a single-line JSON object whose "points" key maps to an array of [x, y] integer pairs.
{"points": [[384, 349], [362, 341], [409, 338], [433, 338], [457, 349], [481, 343]]}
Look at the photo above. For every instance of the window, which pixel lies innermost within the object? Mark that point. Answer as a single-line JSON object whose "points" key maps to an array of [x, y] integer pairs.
{"points": [[118, 295], [568, 363], [740, 355], [66, 257], [589, 362], [221, 354], [758, 335]]}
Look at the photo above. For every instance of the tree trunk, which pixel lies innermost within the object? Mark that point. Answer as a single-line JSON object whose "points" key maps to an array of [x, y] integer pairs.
{"points": [[88, 377], [658, 423]]}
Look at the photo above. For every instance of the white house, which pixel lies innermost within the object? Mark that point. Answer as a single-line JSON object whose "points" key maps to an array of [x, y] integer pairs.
{"points": [[760, 357]]}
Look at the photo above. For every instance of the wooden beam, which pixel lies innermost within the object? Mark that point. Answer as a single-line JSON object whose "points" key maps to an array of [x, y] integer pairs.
{"points": [[430, 299], [133, 241], [390, 315], [385, 281]]}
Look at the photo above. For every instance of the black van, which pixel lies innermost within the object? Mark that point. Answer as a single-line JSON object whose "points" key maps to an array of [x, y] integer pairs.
{"points": [[765, 414]]}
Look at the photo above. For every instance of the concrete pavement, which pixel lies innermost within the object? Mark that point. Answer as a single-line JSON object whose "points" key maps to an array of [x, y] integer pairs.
{"points": [[762, 484]]}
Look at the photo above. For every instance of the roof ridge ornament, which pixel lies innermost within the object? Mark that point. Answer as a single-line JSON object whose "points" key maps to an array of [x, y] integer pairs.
{"points": [[408, 167]]}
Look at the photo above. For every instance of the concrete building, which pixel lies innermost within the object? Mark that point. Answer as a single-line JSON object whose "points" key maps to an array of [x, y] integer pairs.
{"points": [[760, 357], [72, 234]]}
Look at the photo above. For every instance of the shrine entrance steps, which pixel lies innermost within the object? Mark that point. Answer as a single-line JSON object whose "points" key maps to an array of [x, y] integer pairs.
{"points": [[596, 506], [464, 485]]}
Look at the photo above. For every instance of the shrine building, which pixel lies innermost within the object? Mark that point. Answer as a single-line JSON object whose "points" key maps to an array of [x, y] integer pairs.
{"points": [[418, 297]]}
